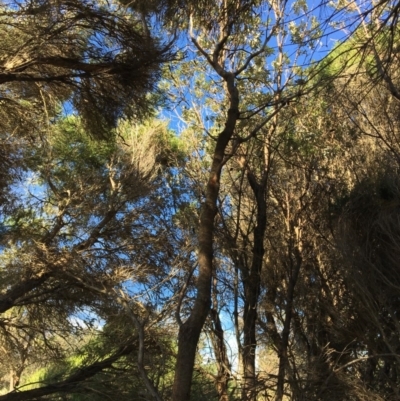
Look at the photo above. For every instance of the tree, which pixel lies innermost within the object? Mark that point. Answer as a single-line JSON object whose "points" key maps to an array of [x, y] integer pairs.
{"points": [[240, 219], [76, 243], [315, 178], [100, 60], [234, 53], [98, 56]]}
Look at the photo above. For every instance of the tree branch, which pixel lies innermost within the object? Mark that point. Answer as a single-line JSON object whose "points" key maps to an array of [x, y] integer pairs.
{"points": [[72, 383]]}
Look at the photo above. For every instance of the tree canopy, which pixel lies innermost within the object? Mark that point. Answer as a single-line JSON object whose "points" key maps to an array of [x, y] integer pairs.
{"points": [[199, 200]]}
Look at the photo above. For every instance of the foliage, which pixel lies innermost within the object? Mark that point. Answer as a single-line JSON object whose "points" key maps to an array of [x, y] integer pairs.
{"points": [[246, 249], [96, 55]]}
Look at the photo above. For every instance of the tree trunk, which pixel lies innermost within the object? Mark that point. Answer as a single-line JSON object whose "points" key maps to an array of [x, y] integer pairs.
{"points": [[189, 332], [221, 356], [252, 282], [283, 351]]}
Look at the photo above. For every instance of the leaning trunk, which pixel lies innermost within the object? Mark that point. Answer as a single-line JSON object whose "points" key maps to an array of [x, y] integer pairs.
{"points": [[189, 332]]}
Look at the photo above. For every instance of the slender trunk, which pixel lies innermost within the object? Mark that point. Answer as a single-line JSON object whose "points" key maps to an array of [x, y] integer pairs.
{"points": [[189, 332], [252, 285], [219, 347], [236, 319], [249, 343], [221, 356], [283, 352]]}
